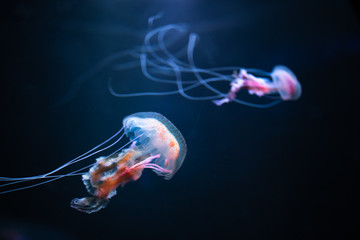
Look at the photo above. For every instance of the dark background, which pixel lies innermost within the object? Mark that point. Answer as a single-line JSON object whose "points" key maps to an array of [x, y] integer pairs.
{"points": [[286, 172]]}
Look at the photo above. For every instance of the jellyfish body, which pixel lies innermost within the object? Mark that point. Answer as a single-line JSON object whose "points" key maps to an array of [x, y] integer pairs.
{"points": [[284, 83], [155, 143], [158, 146]]}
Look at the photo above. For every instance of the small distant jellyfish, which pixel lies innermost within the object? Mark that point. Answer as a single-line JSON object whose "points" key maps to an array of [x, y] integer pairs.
{"points": [[155, 143], [166, 57], [284, 83]]}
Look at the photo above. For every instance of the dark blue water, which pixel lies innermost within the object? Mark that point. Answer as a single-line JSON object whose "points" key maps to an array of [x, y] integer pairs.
{"points": [[285, 172]]}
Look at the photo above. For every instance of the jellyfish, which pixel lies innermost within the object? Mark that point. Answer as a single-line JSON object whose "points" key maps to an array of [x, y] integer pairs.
{"points": [[166, 57], [284, 83], [155, 143]]}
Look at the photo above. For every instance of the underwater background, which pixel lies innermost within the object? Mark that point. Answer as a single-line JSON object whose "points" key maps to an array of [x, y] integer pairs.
{"points": [[284, 172]]}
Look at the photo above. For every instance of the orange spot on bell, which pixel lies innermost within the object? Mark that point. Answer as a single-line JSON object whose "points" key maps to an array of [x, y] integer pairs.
{"points": [[172, 144]]}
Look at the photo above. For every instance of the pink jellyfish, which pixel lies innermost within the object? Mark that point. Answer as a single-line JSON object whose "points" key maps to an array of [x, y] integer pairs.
{"points": [[167, 57], [284, 83]]}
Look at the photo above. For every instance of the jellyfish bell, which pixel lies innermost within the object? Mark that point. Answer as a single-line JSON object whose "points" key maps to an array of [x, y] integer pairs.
{"points": [[157, 135], [157, 144], [286, 83]]}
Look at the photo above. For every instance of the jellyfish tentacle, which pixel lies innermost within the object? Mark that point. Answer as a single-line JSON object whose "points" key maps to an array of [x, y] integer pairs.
{"points": [[36, 184], [164, 49], [168, 64], [52, 178], [46, 178], [140, 94], [181, 89], [14, 180], [75, 160], [21, 181], [87, 156], [157, 168], [153, 18], [191, 45], [146, 161], [89, 204]]}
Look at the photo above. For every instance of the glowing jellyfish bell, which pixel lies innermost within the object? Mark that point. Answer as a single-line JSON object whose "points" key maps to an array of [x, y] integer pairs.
{"points": [[157, 135], [157, 144], [286, 83]]}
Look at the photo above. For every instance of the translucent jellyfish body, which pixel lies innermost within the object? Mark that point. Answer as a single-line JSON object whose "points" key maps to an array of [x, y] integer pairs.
{"points": [[281, 82], [155, 143]]}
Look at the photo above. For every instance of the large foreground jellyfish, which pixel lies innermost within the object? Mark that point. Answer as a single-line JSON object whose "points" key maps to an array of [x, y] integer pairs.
{"points": [[155, 143], [167, 57]]}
